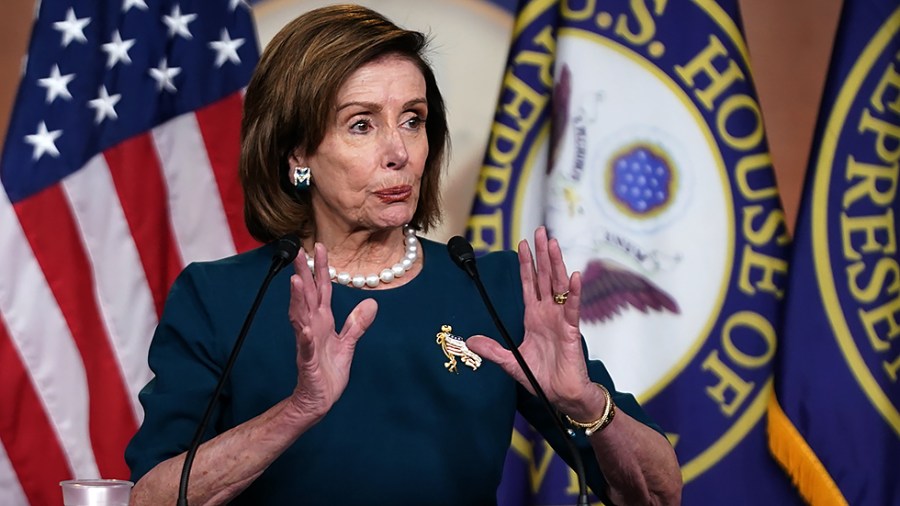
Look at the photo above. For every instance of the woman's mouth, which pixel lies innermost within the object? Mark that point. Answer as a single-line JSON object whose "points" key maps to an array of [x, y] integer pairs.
{"points": [[393, 194]]}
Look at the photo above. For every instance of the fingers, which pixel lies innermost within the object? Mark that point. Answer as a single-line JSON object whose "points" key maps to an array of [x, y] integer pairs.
{"points": [[542, 259], [572, 307], [526, 272], [322, 274], [308, 290], [559, 277], [490, 349], [359, 320], [316, 282], [299, 316], [310, 298], [544, 275], [298, 313]]}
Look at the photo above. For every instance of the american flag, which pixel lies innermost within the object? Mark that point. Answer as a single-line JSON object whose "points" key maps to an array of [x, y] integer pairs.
{"points": [[119, 168]]}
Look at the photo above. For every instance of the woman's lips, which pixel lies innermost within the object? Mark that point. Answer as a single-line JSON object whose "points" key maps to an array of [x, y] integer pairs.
{"points": [[394, 194]]}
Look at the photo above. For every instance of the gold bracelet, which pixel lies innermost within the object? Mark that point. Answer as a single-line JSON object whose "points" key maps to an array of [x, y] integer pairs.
{"points": [[599, 424]]}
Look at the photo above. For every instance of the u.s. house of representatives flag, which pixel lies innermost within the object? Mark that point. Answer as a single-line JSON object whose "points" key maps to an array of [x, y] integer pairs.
{"points": [[632, 130], [836, 423], [119, 168]]}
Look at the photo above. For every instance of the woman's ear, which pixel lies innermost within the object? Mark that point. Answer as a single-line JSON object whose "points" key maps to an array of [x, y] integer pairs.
{"points": [[297, 159]]}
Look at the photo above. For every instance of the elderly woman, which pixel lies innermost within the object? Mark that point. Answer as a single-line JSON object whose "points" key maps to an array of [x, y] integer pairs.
{"points": [[343, 393]]}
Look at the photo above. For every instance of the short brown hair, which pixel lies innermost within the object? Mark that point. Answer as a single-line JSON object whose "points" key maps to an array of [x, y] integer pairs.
{"points": [[291, 100]]}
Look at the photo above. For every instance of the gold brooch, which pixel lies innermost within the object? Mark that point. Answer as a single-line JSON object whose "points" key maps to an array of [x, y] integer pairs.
{"points": [[455, 346]]}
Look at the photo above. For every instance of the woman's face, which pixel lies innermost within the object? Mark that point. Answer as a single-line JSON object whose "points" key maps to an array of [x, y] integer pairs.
{"points": [[367, 171]]}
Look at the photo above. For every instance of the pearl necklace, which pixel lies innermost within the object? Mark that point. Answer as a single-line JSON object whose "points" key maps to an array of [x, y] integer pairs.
{"points": [[387, 275]]}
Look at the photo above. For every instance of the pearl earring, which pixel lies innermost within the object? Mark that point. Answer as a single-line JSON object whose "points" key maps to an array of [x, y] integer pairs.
{"points": [[301, 177]]}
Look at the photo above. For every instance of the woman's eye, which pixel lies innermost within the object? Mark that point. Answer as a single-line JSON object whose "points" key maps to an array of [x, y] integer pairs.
{"points": [[360, 126], [415, 122]]}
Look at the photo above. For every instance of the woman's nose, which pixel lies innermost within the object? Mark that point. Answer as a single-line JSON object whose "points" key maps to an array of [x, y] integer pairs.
{"points": [[396, 154]]}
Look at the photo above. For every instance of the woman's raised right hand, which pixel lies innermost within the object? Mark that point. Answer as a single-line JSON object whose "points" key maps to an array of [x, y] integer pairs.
{"points": [[323, 355]]}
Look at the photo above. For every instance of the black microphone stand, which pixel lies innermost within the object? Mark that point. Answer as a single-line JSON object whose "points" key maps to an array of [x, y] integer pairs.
{"points": [[285, 252], [462, 254]]}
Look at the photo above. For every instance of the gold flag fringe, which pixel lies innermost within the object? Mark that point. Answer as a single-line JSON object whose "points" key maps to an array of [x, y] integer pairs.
{"points": [[798, 459]]}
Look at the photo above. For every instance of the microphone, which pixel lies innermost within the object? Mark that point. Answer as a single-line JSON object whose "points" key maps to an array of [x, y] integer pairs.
{"points": [[286, 251], [463, 256]]}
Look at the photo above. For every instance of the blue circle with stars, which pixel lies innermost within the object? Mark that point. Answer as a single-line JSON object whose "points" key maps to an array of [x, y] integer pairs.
{"points": [[641, 181]]}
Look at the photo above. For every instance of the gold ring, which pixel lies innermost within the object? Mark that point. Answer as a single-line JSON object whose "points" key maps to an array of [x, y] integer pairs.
{"points": [[561, 298]]}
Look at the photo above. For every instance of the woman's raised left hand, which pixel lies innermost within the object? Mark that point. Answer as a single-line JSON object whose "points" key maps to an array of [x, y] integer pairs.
{"points": [[552, 344]]}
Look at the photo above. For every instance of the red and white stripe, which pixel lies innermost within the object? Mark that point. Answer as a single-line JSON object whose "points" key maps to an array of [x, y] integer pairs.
{"points": [[86, 268]]}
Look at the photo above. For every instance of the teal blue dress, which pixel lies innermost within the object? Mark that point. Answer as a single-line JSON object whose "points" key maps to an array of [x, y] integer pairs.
{"points": [[405, 431]]}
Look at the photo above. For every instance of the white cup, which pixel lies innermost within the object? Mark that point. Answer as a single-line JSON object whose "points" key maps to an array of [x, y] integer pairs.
{"points": [[96, 492]]}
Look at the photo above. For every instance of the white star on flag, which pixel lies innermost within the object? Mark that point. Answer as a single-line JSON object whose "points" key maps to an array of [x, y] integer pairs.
{"points": [[178, 23], [164, 75], [72, 28], [117, 50], [226, 49], [119, 160], [44, 141], [104, 105], [56, 84], [128, 4]]}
